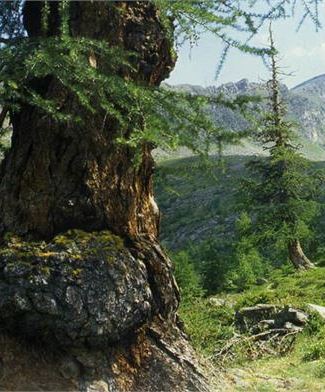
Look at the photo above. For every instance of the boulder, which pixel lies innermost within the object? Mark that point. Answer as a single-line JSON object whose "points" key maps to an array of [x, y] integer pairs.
{"points": [[290, 316], [221, 302], [248, 318], [267, 316]]}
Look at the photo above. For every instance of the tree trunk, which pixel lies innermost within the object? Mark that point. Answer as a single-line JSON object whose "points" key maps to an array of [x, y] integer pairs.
{"points": [[57, 177], [297, 256]]}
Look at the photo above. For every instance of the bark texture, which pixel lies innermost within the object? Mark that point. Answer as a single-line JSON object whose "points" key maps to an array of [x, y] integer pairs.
{"points": [[58, 177], [297, 256]]}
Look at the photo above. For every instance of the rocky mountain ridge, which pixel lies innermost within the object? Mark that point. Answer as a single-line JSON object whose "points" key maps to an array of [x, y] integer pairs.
{"points": [[305, 103]]}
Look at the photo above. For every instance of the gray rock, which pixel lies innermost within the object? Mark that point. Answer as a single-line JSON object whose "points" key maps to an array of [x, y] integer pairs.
{"points": [[291, 327], [267, 316], [219, 302], [291, 315], [319, 309], [249, 318], [264, 325]]}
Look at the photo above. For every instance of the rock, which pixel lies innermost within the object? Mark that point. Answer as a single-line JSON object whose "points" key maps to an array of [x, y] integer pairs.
{"points": [[319, 309], [219, 302], [267, 316], [291, 315], [264, 325], [248, 318], [79, 289], [291, 327]]}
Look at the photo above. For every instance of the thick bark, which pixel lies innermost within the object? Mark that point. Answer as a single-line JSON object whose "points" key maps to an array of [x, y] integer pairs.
{"points": [[297, 256], [58, 177]]}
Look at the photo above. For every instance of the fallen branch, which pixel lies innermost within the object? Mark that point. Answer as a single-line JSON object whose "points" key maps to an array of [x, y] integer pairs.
{"points": [[258, 343]]}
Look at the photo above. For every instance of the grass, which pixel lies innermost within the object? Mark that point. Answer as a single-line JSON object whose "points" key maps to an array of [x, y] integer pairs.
{"points": [[302, 369], [288, 288]]}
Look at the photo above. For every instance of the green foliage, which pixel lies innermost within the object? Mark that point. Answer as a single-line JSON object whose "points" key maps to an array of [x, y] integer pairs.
{"points": [[213, 260], [281, 191], [234, 23], [248, 265], [158, 116], [186, 277], [10, 19], [141, 113], [209, 327], [223, 265], [313, 351]]}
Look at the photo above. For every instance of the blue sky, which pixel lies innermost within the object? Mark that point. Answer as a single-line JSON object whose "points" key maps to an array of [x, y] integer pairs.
{"points": [[302, 53]]}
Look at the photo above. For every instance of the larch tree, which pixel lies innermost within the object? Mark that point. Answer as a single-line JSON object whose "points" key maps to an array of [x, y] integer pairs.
{"points": [[282, 191], [80, 83]]}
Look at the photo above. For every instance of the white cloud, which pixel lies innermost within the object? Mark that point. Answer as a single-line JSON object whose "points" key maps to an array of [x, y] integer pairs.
{"points": [[302, 52]]}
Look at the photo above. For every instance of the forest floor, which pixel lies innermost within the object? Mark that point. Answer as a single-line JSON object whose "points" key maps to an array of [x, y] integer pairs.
{"points": [[210, 323], [273, 375]]}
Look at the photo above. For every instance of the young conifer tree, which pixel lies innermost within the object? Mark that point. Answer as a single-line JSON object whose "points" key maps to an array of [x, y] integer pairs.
{"points": [[283, 189]]}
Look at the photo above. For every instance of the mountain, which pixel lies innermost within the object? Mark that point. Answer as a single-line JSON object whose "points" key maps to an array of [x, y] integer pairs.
{"points": [[305, 104], [314, 86]]}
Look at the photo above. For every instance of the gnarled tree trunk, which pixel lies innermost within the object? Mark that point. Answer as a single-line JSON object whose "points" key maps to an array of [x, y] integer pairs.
{"points": [[297, 256], [58, 177]]}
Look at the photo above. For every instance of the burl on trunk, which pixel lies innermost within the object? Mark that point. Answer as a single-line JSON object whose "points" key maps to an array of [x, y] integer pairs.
{"points": [[57, 178]]}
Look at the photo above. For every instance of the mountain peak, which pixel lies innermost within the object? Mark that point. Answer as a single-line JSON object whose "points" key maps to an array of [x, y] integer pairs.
{"points": [[310, 84]]}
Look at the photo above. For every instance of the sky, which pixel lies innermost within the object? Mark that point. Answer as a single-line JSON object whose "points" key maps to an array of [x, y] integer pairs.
{"points": [[302, 55]]}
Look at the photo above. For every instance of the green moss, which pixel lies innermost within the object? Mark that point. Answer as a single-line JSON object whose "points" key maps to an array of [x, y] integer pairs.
{"points": [[76, 272], [84, 239], [76, 244]]}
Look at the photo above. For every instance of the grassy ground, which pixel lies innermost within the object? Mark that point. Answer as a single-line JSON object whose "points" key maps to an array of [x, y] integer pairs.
{"points": [[210, 323], [198, 202]]}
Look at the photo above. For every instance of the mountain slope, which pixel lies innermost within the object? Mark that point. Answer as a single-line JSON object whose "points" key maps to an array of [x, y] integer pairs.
{"points": [[305, 103], [199, 202]]}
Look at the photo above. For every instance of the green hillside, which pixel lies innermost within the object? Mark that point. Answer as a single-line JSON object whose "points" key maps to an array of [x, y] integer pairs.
{"points": [[200, 203], [262, 366], [199, 208], [199, 200]]}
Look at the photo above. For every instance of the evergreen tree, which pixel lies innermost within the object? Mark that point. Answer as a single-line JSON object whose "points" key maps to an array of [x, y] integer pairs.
{"points": [[248, 264], [282, 192]]}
